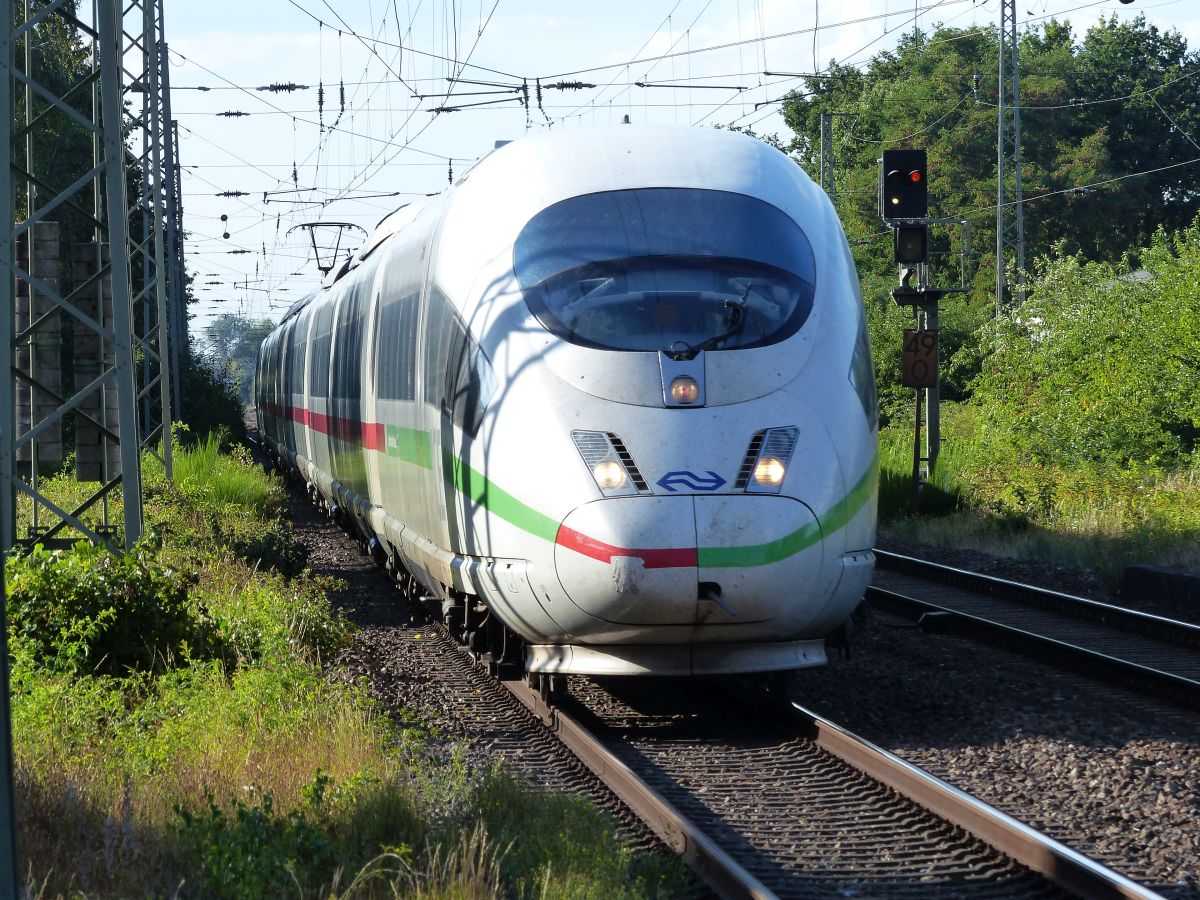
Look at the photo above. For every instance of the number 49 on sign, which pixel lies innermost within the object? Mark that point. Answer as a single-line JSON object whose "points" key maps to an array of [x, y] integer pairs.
{"points": [[919, 363]]}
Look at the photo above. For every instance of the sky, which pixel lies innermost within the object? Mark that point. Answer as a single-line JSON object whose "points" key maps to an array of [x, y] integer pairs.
{"points": [[359, 135]]}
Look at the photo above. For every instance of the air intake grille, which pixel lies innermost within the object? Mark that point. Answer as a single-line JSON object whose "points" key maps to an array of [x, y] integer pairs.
{"points": [[593, 446], [626, 460], [780, 442], [751, 458]]}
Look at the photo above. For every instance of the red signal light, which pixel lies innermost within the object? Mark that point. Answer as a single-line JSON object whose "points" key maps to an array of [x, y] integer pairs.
{"points": [[915, 176]]}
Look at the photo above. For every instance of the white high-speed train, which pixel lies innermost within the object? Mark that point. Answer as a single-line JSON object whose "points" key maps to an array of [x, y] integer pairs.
{"points": [[609, 399]]}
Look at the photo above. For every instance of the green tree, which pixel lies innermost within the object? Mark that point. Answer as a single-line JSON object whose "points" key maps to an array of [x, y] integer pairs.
{"points": [[1091, 113], [233, 341], [1101, 364]]}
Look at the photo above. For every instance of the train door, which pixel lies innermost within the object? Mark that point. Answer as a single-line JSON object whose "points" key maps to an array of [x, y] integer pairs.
{"points": [[374, 433], [431, 503]]}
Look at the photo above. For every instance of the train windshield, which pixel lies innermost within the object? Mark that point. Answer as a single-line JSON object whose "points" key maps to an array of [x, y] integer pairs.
{"points": [[671, 269]]}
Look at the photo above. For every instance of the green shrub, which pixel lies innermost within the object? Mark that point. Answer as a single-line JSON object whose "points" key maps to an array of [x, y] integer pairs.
{"points": [[255, 851], [89, 610], [1099, 366], [274, 547]]}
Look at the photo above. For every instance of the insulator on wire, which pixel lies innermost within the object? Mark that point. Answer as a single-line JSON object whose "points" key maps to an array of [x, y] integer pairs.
{"points": [[450, 172], [570, 85], [234, 194], [233, 114], [281, 87], [321, 105], [342, 98]]}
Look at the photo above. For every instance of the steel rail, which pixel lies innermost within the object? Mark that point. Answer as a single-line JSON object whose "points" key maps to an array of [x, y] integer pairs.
{"points": [[1183, 633], [1059, 863], [1045, 648], [713, 865]]}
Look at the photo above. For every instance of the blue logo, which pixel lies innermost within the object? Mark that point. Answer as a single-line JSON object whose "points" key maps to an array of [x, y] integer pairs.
{"points": [[672, 481]]}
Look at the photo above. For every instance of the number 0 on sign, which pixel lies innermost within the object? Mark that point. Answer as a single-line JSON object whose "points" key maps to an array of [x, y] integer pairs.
{"points": [[919, 366]]}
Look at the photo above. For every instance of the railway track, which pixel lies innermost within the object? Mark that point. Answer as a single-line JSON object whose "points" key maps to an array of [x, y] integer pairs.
{"points": [[1148, 652], [758, 808], [759, 805], [766, 802]]}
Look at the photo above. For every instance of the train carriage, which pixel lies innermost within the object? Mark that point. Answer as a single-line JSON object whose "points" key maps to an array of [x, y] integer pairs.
{"points": [[611, 392]]}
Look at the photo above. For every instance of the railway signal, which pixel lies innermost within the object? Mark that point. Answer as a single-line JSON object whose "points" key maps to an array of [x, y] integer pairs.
{"points": [[904, 192]]}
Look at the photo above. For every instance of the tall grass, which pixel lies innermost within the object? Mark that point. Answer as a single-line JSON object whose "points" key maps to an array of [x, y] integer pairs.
{"points": [[213, 478], [245, 771]]}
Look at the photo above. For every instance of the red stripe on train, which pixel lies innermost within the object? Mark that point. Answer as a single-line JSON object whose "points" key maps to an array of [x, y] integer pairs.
{"points": [[655, 558]]}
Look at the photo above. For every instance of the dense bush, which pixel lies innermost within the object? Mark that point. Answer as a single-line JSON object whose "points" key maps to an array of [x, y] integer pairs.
{"points": [[252, 851], [1100, 365], [210, 404], [90, 610]]}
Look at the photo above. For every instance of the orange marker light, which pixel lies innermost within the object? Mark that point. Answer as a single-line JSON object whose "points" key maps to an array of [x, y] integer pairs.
{"points": [[684, 389]]}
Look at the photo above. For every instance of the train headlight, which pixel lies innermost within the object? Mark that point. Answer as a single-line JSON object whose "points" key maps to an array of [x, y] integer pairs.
{"points": [[767, 460], [769, 472], [609, 461], [684, 389], [610, 475]]}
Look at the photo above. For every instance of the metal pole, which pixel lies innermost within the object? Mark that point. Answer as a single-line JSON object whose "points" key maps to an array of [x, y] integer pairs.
{"points": [[827, 154], [914, 500], [175, 305], [8, 300], [10, 885], [153, 10], [1010, 206], [9, 882], [933, 399], [110, 40]]}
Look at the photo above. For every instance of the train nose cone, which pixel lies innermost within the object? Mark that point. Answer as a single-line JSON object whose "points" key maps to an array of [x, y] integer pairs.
{"points": [[731, 559], [631, 560], [765, 556]]}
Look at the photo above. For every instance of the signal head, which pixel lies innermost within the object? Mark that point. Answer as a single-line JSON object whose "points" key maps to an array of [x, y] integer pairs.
{"points": [[903, 189]]}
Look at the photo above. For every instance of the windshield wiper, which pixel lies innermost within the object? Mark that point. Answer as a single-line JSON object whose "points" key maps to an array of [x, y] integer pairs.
{"points": [[737, 318]]}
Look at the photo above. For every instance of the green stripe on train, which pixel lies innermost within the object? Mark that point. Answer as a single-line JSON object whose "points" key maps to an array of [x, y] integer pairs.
{"points": [[410, 445], [479, 489], [838, 517], [414, 446]]}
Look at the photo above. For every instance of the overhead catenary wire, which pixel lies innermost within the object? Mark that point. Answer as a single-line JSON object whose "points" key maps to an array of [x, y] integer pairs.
{"points": [[391, 145]]}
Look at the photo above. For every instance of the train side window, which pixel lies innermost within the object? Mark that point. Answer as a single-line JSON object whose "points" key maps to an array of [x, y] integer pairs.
{"points": [[395, 354], [347, 346], [299, 350], [318, 367], [435, 348], [469, 379]]}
